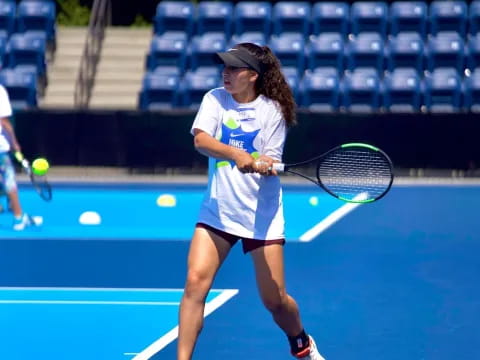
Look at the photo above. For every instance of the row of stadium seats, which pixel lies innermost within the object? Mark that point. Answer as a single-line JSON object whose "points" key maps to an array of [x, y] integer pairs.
{"points": [[25, 53], [27, 41], [308, 18], [403, 90], [28, 15], [21, 87], [446, 49]]}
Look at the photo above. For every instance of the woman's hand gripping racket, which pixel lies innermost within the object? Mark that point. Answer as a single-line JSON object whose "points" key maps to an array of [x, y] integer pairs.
{"points": [[353, 172], [39, 182]]}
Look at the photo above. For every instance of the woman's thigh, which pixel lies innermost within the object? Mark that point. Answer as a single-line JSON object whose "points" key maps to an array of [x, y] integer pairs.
{"points": [[207, 253]]}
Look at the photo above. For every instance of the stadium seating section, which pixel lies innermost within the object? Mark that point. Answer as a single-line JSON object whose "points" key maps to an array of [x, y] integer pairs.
{"points": [[363, 56], [27, 38]]}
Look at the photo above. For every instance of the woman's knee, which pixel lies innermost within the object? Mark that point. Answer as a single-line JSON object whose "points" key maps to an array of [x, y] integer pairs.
{"points": [[198, 284], [275, 302]]}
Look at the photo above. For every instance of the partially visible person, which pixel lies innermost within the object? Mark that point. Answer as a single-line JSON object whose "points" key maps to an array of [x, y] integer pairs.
{"points": [[242, 128], [8, 144]]}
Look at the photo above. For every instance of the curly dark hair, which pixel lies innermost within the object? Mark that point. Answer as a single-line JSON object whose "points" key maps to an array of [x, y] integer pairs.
{"points": [[271, 81]]}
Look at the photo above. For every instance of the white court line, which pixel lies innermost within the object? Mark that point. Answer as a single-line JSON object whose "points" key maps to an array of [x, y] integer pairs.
{"points": [[331, 219], [92, 289], [88, 302], [166, 339]]}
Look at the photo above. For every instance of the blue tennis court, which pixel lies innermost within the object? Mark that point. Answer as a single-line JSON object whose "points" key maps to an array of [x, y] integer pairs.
{"points": [[101, 278]]}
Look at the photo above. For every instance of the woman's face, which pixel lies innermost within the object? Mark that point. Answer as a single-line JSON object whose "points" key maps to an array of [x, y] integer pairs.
{"points": [[239, 80]]}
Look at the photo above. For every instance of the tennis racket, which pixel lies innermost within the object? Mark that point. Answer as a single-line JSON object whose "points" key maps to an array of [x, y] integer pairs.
{"points": [[39, 182], [353, 172]]}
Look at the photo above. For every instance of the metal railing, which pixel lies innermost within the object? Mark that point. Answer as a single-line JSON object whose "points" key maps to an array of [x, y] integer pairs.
{"points": [[100, 18]]}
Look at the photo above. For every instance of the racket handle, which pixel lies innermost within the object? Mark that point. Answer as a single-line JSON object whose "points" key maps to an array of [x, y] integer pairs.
{"points": [[278, 167]]}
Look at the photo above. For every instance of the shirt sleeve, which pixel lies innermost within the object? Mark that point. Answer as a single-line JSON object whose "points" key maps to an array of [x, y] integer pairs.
{"points": [[5, 107], [275, 134], [207, 117]]}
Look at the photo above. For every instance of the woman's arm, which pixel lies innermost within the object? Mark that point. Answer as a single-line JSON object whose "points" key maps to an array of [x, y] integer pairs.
{"points": [[209, 146], [7, 125]]}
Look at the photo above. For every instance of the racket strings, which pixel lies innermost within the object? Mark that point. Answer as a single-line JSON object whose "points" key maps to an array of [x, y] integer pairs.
{"points": [[42, 186], [355, 174]]}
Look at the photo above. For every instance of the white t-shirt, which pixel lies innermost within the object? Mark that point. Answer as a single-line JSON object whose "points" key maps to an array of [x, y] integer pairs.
{"points": [[5, 112], [246, 205]]}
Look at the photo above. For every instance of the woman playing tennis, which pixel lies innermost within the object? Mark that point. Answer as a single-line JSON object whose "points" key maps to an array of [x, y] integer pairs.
{"points": [[9, 142], [243, 121]]}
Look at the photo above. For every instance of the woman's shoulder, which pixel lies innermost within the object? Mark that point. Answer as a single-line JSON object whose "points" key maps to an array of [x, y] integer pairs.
{"points": [[273, 105], [217, 96]]}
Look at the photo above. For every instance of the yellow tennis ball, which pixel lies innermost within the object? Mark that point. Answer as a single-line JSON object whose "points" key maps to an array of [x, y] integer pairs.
{"points": [[40, 166]]}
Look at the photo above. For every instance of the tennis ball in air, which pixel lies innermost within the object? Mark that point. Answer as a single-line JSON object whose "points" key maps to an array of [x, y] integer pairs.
{"points": [[313, 201], [40, 166]]}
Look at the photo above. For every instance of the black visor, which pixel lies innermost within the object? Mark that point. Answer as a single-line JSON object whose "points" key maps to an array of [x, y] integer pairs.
{"points": [[238, 57]]}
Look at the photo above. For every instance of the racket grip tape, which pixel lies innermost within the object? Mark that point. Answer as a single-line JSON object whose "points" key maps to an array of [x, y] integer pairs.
{"points": [[278, 167]]}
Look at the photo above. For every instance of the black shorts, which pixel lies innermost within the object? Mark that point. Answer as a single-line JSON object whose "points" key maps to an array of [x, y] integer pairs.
{"points": [[247, 244]]}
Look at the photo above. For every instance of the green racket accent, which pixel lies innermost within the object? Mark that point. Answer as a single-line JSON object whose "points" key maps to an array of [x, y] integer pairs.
{"points": [[356, 201], [368, 146]]}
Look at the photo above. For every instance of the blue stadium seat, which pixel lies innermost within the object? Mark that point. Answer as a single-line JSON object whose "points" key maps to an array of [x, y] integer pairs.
{"points": [[203, 48], [446, 50], [167, 51], [292, 76], [174, 16], [474, 17], [443, 91], [289, 48], [406, 50], [330, 17], [326, 50], [473, 52], [472, 92], [366, 50], [37, 16], [321, 90], [3, 52], [214, 17], [409, 16], [369, 16], [253, 16], [7, 17], [159, 91], [361, 91], [402, 91], [195, 85], [448, 16], [21, 87], [27, 53], [250, 37], [291, 17]]}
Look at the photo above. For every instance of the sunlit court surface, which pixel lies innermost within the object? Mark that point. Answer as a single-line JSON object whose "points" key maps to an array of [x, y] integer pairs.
{"points": [[102, 276]]}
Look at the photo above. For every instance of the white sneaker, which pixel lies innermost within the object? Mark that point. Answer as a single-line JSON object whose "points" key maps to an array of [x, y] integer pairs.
{"points": [[313, 353], [22, 223]]}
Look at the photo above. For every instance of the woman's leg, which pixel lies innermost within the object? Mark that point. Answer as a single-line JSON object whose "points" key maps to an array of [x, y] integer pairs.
{"points": [[207, 252], [15, 203], [269, 269]]}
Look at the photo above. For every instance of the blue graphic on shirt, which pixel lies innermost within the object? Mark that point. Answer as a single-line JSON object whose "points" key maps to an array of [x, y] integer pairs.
{"points": [[239, 138]]}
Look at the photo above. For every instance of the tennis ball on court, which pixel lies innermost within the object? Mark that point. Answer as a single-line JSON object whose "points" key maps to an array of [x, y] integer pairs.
{"points": [[313, 201], [40, 166]]}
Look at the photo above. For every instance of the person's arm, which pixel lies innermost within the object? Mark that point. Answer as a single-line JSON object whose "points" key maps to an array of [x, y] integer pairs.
{"points": [[7, 126], [209, 146]]}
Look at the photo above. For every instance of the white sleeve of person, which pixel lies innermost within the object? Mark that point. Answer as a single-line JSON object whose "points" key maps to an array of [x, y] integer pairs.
{"points": [[5, 107]]}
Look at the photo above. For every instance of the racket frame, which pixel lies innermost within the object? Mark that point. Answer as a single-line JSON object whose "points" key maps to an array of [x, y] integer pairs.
{"points": [[280, 167]]}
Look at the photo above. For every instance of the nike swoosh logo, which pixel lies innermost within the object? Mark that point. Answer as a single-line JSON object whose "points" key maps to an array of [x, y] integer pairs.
{"points": [[235, 135]]}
